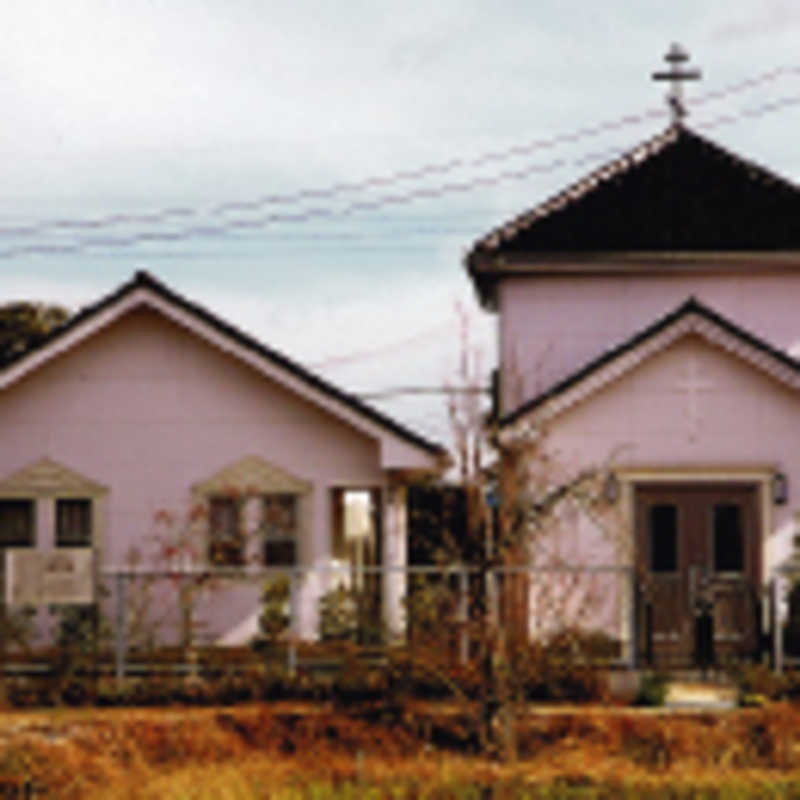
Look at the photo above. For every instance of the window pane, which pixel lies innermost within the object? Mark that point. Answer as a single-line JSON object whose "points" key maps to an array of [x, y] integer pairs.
{"points": [[663, 538], [226, 542], [728, 539], [279, 554], [279, 524], [16, 523], [73, 523]]}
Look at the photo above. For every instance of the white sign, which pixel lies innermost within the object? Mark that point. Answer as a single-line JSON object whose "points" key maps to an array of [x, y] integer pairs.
{"points": [[49, 577]]}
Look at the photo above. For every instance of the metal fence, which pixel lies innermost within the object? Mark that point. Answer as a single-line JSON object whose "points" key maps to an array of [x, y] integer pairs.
{"points": [[142, 610]]}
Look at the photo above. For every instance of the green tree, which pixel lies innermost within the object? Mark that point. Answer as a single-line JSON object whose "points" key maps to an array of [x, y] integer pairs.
{"points": [[22, 326], [25, 324]]}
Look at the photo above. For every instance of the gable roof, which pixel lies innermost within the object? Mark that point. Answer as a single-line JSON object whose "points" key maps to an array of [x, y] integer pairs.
{"points": [[691, 317], [677, 192], [144, 289], [46, 476]]}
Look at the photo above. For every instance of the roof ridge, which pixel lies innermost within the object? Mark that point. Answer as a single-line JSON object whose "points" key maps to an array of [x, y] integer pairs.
{"points": [[579, 187], [681, 160], [748, 163]]}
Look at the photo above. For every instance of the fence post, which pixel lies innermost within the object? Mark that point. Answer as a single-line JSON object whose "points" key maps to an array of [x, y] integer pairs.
{"points": [[291, 653], [777, 632], [122, 624], [491, 597], [463, 615], [632, 619]]}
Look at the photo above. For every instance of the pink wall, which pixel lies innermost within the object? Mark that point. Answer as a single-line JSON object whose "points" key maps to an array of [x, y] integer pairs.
{"points": [[550, 327]]}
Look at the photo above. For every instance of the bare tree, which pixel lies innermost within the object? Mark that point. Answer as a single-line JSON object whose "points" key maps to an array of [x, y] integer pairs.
{"points": [[520, 501]]}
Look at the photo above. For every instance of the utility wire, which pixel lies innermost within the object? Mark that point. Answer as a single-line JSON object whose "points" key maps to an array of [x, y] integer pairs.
{"points": [[310, 214], [306, 215], [168, 215]]}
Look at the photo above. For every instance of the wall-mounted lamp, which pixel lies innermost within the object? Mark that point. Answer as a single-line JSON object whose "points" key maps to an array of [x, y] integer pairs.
{"points": [[611, 488], [780, 488]]}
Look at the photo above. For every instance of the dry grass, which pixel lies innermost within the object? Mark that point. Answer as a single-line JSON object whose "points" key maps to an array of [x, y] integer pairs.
{"points": [[262, 751]]}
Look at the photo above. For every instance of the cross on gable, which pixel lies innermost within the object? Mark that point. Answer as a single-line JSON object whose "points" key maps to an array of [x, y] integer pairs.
{"points": [[693, 384], [676, 75]]}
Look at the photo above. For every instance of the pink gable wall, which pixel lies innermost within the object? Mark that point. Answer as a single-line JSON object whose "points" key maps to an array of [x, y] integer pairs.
{"points": [[643, 419], [148, 410], [550, 327]]}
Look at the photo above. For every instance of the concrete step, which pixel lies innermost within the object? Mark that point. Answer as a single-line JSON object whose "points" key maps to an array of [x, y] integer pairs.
{"points": [[700, 695]]}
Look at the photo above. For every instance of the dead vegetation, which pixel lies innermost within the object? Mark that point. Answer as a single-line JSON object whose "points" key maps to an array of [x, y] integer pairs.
{"points": [[86, 753]]}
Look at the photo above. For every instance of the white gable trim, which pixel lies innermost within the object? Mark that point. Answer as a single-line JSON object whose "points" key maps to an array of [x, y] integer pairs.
{"points": [[256, 474], [69, 339], [395, 451], [692, 323]]}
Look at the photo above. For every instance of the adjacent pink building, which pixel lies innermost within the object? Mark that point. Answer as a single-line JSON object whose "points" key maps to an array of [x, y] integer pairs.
{"points": [[145, 406]]}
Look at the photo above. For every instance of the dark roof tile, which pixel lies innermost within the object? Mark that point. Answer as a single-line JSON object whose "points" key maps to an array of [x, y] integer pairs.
{"points": [[676, 192]]}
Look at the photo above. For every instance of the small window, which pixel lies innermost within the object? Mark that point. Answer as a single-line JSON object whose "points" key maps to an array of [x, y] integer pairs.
{"points": [[279, 524], [73, 523], [663, 538], [16, 523], [226, 540], [728, 538]]}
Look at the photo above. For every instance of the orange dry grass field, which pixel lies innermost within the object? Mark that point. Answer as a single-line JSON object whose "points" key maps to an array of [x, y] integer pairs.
{"points": [[284, 752]]}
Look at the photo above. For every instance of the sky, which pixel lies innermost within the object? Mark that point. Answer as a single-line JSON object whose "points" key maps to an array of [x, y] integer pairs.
{"points": [[314, 172]]}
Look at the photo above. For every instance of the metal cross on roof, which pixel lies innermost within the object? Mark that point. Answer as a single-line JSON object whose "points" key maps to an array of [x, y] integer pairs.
{"points": [[676, 74]]}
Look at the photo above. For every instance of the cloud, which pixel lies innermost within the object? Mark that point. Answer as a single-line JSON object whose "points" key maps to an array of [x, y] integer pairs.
{"points": [[772, 18]]}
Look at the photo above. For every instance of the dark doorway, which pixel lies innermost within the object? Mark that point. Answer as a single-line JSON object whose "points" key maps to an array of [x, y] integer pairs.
{"points": [[698, 553]]}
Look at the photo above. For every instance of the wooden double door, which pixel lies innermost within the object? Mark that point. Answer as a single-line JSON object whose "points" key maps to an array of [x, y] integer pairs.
{"points": [[698, 553]]}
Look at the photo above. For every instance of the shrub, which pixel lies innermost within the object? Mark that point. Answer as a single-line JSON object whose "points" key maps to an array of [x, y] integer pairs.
{"points": [[757, 683], [235, 687], [350, 614], [559, 669], [653, 688], [273, 621]]}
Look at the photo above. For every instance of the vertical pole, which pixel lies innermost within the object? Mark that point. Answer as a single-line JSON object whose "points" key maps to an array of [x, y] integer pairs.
{"points": [[291, 653], [777, 630], [395, 561], [463, 616], [491, 597], [633, 626], [3, 624], [122, 623]]}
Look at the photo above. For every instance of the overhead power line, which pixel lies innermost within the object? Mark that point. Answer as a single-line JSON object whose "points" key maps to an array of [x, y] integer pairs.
{"points": [[168, 215], [233, 226], [306, 215]]}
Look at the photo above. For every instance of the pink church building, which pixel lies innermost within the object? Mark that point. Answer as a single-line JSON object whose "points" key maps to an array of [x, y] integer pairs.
{"points": [[648, 319]]}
